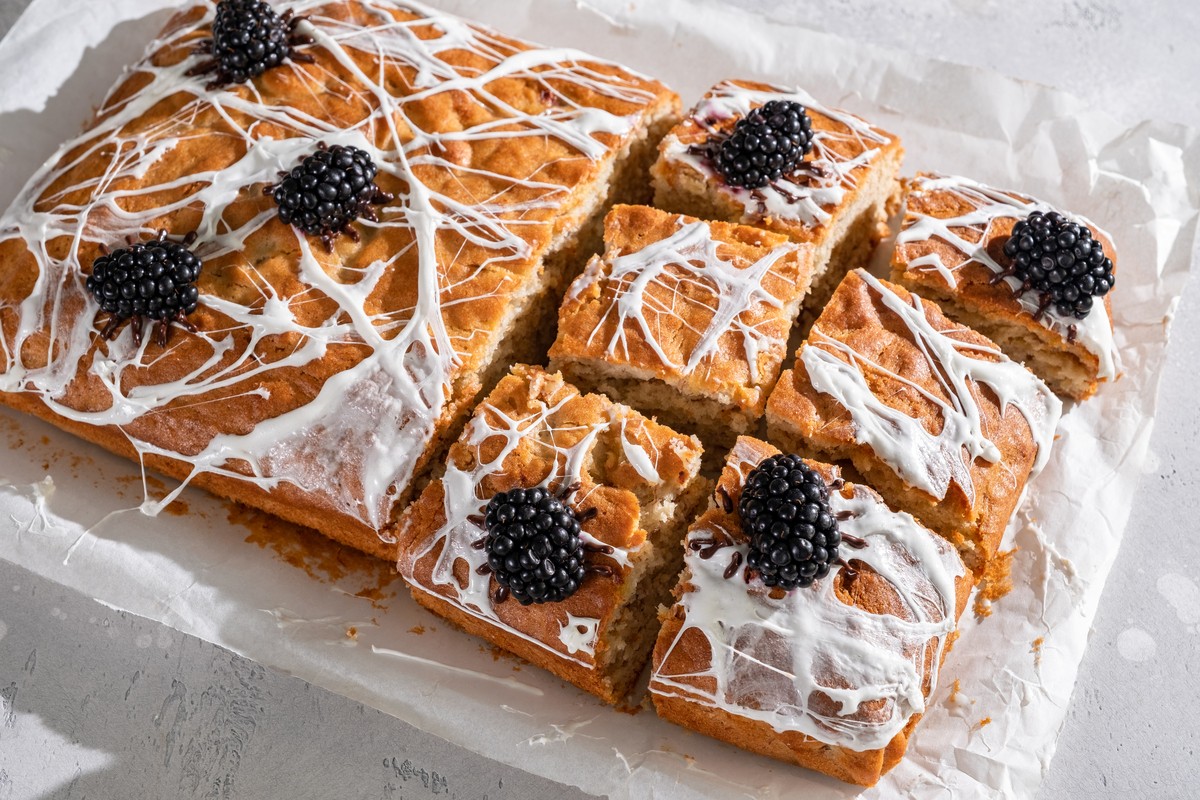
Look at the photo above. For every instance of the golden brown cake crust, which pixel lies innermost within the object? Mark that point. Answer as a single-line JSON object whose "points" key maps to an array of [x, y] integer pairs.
{"points": [[327, 377], [927, 262], [630, 473], [842, 140], [683, 651], [901, 379], [704, 307]]}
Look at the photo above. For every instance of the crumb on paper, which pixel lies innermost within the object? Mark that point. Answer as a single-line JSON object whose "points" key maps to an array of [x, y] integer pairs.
{"points": [[983, 723], [995, 582], [417, 629], [1036, 649], [352, 633], [951, 638]]}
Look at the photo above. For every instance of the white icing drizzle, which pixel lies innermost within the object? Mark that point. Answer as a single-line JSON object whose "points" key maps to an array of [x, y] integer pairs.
{"points": [[636, 455], [578, 634], [987, 205], [463, 500], [925, 460], [358, 440], [770, 657], [827, 174], [646, 287]]}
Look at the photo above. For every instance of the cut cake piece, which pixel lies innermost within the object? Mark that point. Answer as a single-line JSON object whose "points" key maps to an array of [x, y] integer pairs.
{"points": [[833, 676], [634, 485], [951, 250], [837, 200], [321, 383], [931, 414], [684, 319]]}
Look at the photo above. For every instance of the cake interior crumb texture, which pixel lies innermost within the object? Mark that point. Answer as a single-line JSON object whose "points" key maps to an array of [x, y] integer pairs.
{"points": [[322, 384], [636, 485]]}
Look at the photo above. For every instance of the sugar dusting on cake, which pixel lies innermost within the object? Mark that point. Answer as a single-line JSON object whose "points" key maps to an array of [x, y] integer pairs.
{"points": [[805, 660], [826, 175], [358, 440], [931, 461], [648, 286], [985, 207]]}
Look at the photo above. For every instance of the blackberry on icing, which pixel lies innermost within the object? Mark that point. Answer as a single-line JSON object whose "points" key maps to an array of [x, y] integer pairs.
{"points": [[248, 38], [1060, 260], [785, 511], [765, 145], [328, 190], [533, 545], [154, 280]]}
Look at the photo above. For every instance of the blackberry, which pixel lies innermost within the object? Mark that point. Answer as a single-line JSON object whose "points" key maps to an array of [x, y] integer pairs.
{"points": [[1060, 260], [765, 145], [328, 190], [147, 280], [533, 546], [249, 38], [785, 511]]}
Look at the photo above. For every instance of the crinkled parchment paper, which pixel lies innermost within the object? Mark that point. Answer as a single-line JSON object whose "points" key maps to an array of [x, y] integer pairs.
{"points": [[70, 512]]}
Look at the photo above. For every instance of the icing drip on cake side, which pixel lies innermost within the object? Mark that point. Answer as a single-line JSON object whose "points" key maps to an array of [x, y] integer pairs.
{"points": [[987, 206], [653, 283], [358, 440], [826, 175], [931, 462], [772, 658], [464, 506]]}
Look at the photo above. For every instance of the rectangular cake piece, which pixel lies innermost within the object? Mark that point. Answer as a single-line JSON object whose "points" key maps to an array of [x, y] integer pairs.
{"points": [[951, 250], [632, 483], [931, 414], [684, 319], [833, 676], [320, 382], [838, 199]]}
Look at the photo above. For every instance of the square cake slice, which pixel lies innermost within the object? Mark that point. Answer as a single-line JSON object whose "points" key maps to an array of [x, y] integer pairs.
{"points": [[951, 249], [684, 319], [632, 484], [931, 414], [838, 199], [328, 366], [833, 676]]}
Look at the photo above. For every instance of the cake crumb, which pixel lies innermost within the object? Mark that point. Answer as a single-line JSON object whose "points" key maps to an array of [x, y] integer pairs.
{"points": [[352, 633], [983, 723], [995, 582], [1036, 649], [417, 629]]}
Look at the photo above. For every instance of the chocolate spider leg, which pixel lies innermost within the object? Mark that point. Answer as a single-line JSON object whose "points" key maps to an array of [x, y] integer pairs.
{"points": [[135, 323], [114, 322], [735, 561]]}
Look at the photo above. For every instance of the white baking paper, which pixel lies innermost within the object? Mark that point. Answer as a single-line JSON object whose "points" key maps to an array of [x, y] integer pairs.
{"points": [[70, 513]]}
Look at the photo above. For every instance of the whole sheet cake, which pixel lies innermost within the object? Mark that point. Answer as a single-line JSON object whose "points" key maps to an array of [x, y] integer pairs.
{"points": [[983, 732]]}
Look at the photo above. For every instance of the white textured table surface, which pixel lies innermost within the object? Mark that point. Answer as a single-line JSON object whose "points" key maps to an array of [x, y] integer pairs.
{"points": [[99, 704]]}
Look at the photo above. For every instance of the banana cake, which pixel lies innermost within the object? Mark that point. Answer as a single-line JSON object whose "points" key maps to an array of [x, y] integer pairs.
{"points": [[684, 319], [777, 158], [831, 672], [336, 224], [930, 413], [555, 531], [1024, 274]]}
